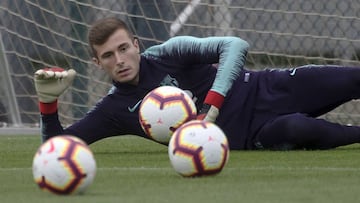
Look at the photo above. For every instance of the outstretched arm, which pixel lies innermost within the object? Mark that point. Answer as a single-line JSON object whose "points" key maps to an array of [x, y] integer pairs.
{"points": [[98, 123], [50, 83], [228, 52]]}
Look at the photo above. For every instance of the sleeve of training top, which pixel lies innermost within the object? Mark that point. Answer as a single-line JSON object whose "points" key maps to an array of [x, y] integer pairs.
{"points": [[98, 123], [228, 52], [95, 125], [50, 126]]}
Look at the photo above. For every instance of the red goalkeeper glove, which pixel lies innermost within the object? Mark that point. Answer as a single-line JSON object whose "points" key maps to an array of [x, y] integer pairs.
{"points": [[50, 83], [212, 104]]}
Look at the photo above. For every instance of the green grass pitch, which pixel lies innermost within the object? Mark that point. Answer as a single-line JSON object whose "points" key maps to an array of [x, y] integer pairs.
{"points": [[131, 169]]}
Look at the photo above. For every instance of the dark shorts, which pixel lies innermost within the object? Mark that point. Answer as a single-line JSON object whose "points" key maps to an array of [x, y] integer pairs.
{"points": [[303, 92]]}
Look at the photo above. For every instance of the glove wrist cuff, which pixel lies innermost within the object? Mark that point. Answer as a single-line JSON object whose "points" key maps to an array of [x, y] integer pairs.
{"points": [[214, 98], [48, 108]]}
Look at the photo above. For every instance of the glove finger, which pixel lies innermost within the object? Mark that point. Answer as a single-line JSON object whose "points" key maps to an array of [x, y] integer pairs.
{"points": [[49, 74], [209, 119], [64, 74], [60, 75], [71, 73], [39, 74], [44, 74], [57, 73]]}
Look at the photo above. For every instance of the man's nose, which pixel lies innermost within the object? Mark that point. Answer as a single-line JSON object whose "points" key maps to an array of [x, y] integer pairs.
{"points": [[119, 58]]}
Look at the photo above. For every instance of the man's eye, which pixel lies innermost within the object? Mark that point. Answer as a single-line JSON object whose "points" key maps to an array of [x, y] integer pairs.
{"points": [[124, 48], [107, 55]]}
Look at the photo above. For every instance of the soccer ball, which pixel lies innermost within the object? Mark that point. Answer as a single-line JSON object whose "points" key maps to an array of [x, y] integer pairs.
{"points": [[64, 165], [163, 110], [198, 148]]}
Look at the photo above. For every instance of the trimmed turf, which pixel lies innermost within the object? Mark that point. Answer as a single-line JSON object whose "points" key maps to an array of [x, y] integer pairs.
{"points": [[131, 169]]}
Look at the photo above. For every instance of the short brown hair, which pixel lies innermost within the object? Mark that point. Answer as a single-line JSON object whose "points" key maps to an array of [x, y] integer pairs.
{"points": [[101, 30]]}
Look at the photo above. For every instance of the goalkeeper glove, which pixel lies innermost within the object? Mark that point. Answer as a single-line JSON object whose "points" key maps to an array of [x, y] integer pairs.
{"points": [[211, 106], [50, 83]]}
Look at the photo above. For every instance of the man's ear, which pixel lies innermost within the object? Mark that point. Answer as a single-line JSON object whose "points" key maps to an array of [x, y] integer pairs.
{"points": [[136, 43], [136, 39], [96, 62]]}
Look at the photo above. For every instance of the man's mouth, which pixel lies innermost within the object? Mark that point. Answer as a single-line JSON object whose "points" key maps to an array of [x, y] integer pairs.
{"points": [[123, 72]]}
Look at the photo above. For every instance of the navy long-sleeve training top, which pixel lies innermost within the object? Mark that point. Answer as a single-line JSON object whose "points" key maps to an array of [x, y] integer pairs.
{"points": [[185, 62]]}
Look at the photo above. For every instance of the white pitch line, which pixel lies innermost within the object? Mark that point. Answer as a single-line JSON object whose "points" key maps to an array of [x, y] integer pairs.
{"points": [[273, 168], [305, 168], [102, 168]]}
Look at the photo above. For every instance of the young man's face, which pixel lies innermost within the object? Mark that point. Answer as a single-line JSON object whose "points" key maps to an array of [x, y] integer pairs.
{"points": [[119, 57]]}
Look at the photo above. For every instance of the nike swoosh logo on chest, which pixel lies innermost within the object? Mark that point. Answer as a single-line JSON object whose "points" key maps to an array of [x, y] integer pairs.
{"points": [[133, 108]]}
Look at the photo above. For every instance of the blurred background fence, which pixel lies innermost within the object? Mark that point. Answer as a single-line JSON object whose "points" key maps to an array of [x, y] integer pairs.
{"points": [[282, 34]]}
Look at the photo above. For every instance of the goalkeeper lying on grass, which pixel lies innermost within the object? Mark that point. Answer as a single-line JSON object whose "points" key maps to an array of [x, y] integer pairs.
{"points": [[268, 109]]}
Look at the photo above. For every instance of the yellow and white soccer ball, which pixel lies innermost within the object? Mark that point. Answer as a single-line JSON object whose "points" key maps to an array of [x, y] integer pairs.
{"points": [[64, 165], [163, 110], [198, 148]]}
